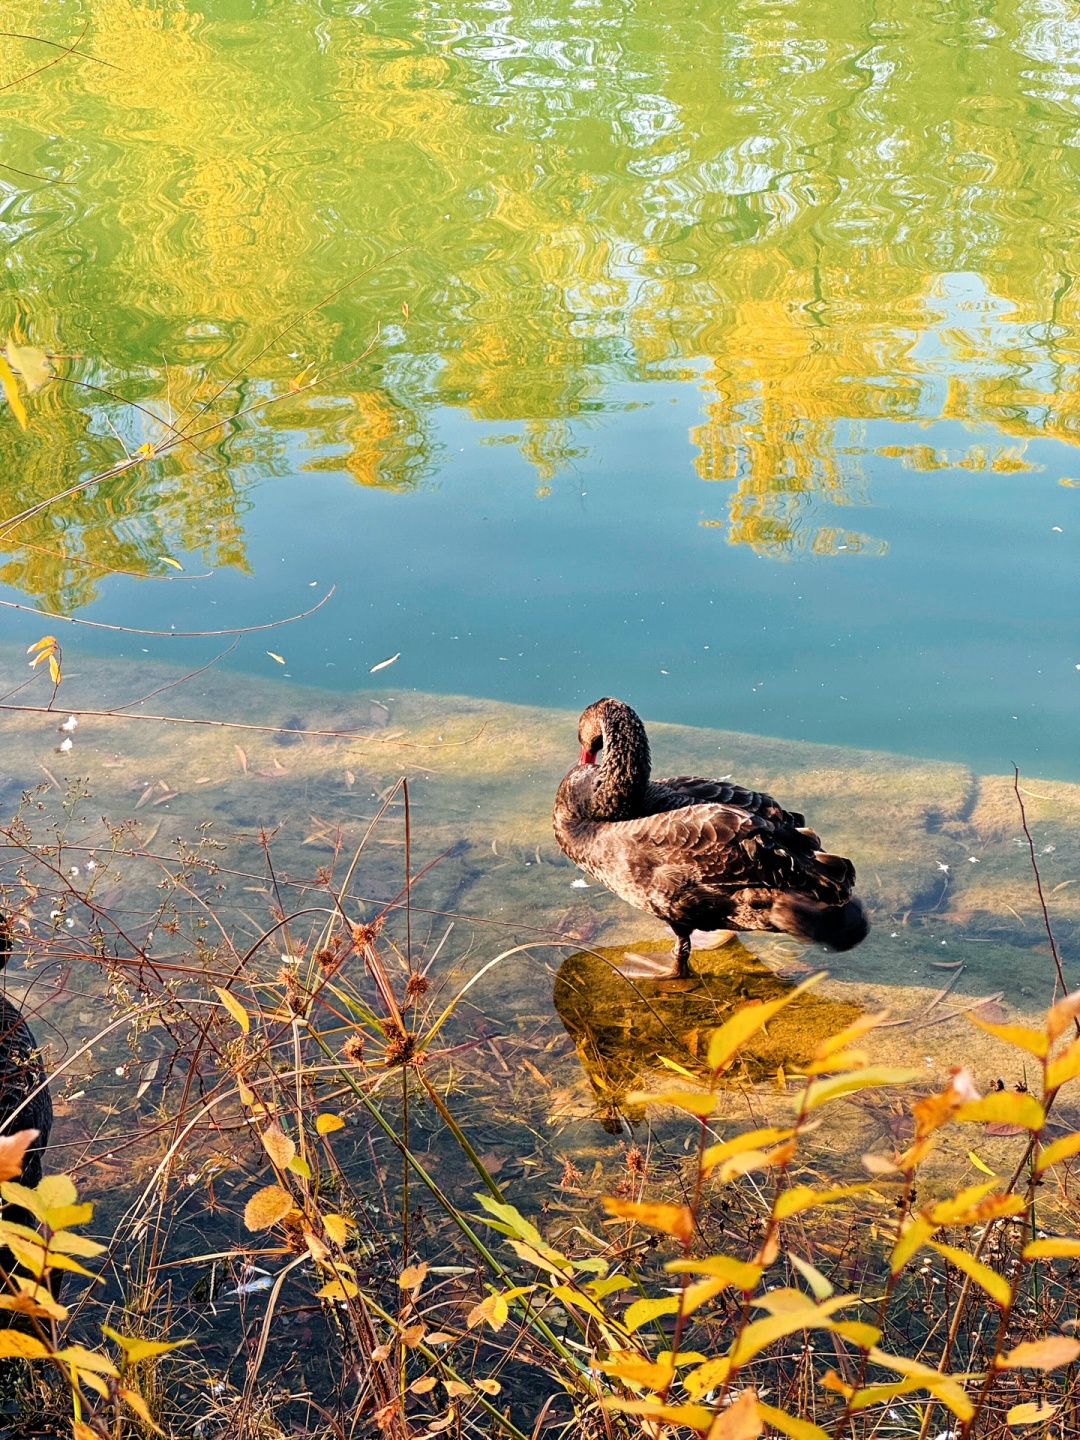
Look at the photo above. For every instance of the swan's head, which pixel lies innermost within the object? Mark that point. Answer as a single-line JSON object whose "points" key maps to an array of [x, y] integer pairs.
{"points": [[610, 730]]}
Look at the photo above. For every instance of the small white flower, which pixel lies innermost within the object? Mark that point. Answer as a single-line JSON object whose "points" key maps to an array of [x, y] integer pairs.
{"points": [[55, 914], [91, 865], [119, 1070], [74, 869], [65, 744], [70, 924], [69, 724]]}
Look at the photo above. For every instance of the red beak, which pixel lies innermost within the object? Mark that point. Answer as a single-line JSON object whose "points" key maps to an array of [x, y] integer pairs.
{"points": [[587, 757]]}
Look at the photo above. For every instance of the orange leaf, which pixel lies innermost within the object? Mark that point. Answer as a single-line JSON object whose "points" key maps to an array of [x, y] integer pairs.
{"points": [[674, 1220]]}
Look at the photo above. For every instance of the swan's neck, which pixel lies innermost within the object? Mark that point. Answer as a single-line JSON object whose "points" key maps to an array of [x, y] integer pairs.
{"points": [[622, 776]]}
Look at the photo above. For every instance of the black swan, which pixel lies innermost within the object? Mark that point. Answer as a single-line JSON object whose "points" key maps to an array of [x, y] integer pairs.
{"points": [[699, 854], [25, 1099]]}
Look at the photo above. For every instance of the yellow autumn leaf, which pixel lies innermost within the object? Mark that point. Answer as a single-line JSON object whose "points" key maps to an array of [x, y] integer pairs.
{"points": [[341, 1289], [266, 1207], [1031, 1412], [1052, 1248], [13, 1150], [1062, 1149], [638, 1369], [31, 362], [819, 1092], [326, 1123], [278, 1146], [1060, 1016], [943, 1387], [492, 1310], [299, 1166], [749, 1140], [168, 559], [725, 1042], [135, 1401], [487, 1387], [701, 1102], [337, 1227], [738, 1273], [804, 1197], [413, 1276], [275, 656], [1004, 1107], [694, 1416], [674, 1220], [1035, 1042], [1065, 1067], [235, 1009], [741, 1420], [791, 1425], [995, 1285], [11, 392], [641, 1312], [1047, 1354], [135, 1348], [980, 1164], [15, 1345]]}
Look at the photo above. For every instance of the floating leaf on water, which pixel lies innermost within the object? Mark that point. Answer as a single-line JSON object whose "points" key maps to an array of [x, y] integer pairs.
{"points": [[168, 560], [235, 1009], [11, 392], [274, 656], [278, 1146], [413, 1276], [384, 663], [1045, 1354], [242, 757], [13, 1148], [266, 1207], [31, 362], [1031, 1411], [326, 1124]]}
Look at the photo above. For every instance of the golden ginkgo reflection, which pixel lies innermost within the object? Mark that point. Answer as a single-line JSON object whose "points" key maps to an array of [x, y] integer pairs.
{"points": [[813, 212]]}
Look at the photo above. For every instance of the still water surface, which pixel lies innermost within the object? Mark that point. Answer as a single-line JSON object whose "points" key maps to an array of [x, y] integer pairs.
{"points": [[722, 358]]}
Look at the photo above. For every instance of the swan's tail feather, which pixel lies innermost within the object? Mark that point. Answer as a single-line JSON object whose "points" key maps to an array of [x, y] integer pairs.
{"points": [[841, 927]]}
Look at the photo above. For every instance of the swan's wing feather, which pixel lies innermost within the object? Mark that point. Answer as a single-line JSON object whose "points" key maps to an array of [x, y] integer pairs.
{"points": [[696, 790], [722, 848]]}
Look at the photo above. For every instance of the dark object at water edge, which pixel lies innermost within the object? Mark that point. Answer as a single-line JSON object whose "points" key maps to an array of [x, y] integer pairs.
{"points": [[698, 854]]}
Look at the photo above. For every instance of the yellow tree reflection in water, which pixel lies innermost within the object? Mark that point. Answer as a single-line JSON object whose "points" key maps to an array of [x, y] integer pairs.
{"points": [[829, 214]]}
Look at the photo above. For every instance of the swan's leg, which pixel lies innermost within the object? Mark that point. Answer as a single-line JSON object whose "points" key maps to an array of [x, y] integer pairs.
{"points": [[682, 957]]}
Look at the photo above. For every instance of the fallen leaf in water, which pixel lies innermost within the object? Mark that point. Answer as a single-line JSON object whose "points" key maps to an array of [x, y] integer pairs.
{"points": [[144, 797], [11, 392], [203, 780], [242, 758], [14, 1147], [170, 561], [384, 663], [279, 658], [350, 779], [32, 364], [149, 1072], [169, 795]]}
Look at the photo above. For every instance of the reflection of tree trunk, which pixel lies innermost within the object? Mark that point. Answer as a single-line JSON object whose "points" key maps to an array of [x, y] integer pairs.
{"points": [[620, 1027]]}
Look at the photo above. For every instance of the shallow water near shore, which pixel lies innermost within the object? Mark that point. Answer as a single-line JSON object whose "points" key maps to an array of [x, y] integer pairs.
{"points": [[942, 862]]}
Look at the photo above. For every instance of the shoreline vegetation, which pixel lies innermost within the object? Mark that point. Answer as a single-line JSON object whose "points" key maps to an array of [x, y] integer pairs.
{"points": [[350, 1176]]}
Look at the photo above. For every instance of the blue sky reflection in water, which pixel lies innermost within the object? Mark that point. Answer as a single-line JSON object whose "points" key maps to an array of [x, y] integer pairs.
{"points": [[728, 369]]}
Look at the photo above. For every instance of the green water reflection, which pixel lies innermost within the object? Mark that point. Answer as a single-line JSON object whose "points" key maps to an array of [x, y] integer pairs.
{"points": [[829, 213]]}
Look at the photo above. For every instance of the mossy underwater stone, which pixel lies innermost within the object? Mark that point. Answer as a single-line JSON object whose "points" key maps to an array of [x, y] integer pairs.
{"points": [[622, 1027]]}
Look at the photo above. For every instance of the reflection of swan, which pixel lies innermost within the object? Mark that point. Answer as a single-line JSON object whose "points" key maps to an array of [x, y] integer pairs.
{"points": [[699, 854], [620, 1027]]}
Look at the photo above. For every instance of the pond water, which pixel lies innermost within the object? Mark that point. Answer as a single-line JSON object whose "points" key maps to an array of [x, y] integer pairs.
{"points": [[723, 362]]}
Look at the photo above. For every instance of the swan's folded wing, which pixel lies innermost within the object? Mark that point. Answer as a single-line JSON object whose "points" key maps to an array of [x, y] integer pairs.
{"points": [[723, 848], [699, 791]]}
